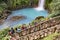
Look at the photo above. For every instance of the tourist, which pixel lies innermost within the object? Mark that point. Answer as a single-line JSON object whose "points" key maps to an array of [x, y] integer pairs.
{"points": [[18, 30], [24, 27], [12, 31], [35, 23]]}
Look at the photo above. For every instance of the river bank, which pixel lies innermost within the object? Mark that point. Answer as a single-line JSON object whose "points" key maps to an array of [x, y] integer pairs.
{"points": [[4, 15]]}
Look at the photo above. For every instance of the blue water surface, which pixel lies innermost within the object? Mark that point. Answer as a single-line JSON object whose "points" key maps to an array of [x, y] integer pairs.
{"points": [[30, 14]]}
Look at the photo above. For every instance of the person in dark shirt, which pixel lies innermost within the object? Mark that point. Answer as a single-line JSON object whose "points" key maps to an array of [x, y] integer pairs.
{"points": [[23, 27], [12, 31]]}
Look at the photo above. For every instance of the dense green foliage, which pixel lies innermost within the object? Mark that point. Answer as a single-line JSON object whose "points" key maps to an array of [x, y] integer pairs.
{"points": [[21, 3], [3, 6], [15, 3], [55, 8], [54, 15], [51, 36], [3, 33], [12, 4], [47, 2]]}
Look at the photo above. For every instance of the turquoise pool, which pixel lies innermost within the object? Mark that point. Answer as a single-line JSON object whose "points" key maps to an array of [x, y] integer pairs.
{"points": [[30, 13]]}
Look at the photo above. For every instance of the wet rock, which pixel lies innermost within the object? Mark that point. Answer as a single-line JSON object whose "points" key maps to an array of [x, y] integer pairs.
{"points": [[53, 29], [45, 30], [45, 34], [15, 18], [39, 17], [42, 34], [31, 37], [7, 11]]}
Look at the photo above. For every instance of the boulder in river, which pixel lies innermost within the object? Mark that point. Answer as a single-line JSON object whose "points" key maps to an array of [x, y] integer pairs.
{"points": [[15, 18], [39, 17]]}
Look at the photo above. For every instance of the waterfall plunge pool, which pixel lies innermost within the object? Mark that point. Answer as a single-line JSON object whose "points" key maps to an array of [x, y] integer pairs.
{"points": [[30, 14]]}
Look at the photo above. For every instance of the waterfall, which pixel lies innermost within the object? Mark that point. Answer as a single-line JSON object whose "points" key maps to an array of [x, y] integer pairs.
{"points": [[40, 5]]}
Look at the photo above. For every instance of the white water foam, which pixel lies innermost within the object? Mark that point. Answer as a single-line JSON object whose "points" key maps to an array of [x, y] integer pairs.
{"points": [[40, 5]]}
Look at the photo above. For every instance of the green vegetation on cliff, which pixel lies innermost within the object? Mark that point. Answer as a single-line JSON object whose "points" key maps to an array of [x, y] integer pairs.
{"points": [[55, 8], [51, 36], [3, 6], [47, 2]]}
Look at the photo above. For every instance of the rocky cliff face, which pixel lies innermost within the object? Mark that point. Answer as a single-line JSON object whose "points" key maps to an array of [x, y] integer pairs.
{"points": [[4, 15]]}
